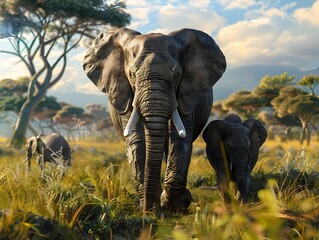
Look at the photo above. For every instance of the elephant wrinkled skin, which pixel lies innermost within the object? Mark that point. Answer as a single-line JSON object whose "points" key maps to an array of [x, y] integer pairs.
{"points": [[49, 148], [232, 149], [159, 89]]}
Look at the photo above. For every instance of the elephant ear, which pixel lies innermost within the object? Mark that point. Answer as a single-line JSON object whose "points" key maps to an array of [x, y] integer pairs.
{"points": [[33, 144], [214, 137], [203, 64], [104, 66], [257, 136]]}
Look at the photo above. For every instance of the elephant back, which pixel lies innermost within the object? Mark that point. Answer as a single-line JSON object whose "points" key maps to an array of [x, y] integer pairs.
{"points": [[55, 147]]}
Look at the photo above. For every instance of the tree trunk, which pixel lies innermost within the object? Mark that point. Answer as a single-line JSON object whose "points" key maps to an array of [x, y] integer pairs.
{"points": [[303, 135], [21, 126], [308, 135]]}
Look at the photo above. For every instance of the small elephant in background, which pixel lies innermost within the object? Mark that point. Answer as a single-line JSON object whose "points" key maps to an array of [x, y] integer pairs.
{"points": [[232, 149], [50, 148]]}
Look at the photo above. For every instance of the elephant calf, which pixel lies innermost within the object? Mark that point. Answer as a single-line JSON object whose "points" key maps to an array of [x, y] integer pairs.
{"points": [[232, 149], [50, 148]]}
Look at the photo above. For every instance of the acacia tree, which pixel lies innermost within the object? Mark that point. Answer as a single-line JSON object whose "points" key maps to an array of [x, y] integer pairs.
{"points": [[310, 81], [68, 117], [10, 87], [219, 110], [13, 96], [247, 104], [270, 86], [296, 102], [44, 112], [37, 28]]}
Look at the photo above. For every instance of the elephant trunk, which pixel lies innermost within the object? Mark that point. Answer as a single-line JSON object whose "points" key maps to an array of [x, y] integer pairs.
{"points": [[155, 107], [156, 125], [155, 144], [240, 166]]}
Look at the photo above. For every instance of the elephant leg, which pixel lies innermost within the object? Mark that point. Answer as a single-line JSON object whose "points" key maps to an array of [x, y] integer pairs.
{"points": [[40, 162], [224, 176], [176, 197], [135, 153], [223, 183], [135, 150]]}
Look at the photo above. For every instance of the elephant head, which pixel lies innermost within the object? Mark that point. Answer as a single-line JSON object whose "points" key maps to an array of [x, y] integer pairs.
{"points": [[31, 147], [232, 149], [156, 77]]}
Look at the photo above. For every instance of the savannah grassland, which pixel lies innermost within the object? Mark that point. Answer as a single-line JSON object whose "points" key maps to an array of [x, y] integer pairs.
{"points": [[94, 199]]}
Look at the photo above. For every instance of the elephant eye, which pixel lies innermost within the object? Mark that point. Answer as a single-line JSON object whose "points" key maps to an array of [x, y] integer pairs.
{"points": [[132, 73]]}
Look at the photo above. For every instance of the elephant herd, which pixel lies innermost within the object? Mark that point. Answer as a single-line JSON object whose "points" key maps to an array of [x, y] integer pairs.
{"points": [[159, 90]]}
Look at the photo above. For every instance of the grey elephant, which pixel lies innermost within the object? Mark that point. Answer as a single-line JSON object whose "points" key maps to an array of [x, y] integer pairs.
{"points": [[232, 149], [49, 148], [159, 89]]}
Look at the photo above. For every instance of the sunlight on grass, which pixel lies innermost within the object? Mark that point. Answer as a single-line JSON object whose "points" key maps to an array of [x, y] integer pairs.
{"points": [[96, 197]]}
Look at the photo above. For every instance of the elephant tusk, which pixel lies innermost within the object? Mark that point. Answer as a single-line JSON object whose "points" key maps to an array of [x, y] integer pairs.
{"points": [[178, 124], [131, 123]]}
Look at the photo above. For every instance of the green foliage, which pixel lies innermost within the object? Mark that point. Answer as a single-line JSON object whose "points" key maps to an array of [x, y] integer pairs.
{"points": [[47, 108], [39, 29], [276, 82], [294, 102], [67, 114], [277, 101], [310, 81], [11, 103], [245, 103], [13, 13], [25, 225], [9, 87]]}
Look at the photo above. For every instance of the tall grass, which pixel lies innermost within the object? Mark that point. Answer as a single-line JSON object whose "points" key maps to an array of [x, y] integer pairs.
{"points": [[95, 198]]}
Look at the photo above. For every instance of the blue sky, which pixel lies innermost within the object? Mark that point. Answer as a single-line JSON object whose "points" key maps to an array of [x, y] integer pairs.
{"points": [[270, 32], [248, 31]]}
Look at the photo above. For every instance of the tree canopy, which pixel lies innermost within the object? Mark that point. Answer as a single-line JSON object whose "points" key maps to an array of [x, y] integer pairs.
{"points": [[293, 101], [310, 81], [276, 82], [245, 103], [43, 32]]}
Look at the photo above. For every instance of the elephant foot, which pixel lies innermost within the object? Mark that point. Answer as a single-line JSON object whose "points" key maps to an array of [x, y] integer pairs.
{"points": [[176, 202], [140, 197]]}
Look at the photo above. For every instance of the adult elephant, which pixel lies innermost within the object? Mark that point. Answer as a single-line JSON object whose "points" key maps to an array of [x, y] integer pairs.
{"points": [[49, 148], [232, 149], [154, 81]]}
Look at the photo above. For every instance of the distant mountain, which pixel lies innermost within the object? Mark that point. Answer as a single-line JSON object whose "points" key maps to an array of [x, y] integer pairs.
{"points": [[248, 78], [243, 78], [80, 99]]}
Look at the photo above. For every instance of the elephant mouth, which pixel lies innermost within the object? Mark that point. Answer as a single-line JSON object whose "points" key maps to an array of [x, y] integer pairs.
{"points": [[135, 117]]}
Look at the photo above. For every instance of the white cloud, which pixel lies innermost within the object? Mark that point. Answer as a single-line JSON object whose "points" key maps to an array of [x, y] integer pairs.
{"points": [[198, 4], [171, 18], [308, 15], [272, 38], [239, 4], [11, 67], [78, 56], [140, 16], [88, 88], [269, 13], [136, 3]]}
